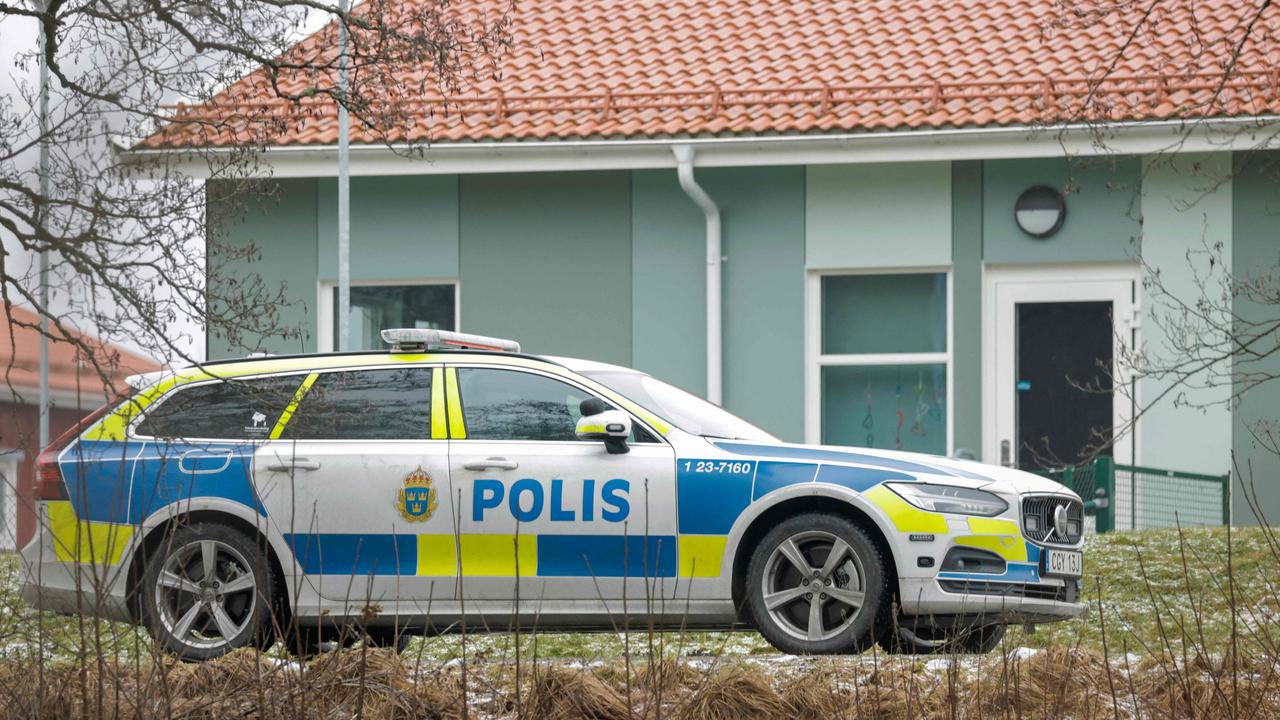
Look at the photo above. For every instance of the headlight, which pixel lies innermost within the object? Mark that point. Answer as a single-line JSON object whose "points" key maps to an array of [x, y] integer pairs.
{"points": [[950, 499]]}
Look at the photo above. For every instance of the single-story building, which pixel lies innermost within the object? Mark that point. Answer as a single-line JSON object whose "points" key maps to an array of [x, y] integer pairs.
{"points": [[918, 239]]}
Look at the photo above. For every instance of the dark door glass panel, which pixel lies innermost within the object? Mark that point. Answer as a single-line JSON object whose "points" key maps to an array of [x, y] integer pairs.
{"points": [[365, 405], [223, 410], [513, 405], [1064, 389]]}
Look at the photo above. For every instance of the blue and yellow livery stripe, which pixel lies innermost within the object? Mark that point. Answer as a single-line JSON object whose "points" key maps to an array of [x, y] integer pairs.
{"points": [[457, 426], [701, 555], [83, 541], [292, 407], [496, 555], [906, 517], [439, 423]]}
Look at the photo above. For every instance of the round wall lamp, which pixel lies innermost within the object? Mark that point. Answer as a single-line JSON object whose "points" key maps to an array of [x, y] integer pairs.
{"points": [[1040, 211]]}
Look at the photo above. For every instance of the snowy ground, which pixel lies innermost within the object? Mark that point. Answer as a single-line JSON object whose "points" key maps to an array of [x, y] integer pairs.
{"points": [[1156, 587]]}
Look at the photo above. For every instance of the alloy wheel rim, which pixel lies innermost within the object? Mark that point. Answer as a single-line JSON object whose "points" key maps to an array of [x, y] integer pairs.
{"points": [[813, 586], [206, 594]]}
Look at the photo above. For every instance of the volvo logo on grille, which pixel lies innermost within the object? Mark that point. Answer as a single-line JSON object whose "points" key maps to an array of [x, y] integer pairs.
{"points": [[1060, 525]]}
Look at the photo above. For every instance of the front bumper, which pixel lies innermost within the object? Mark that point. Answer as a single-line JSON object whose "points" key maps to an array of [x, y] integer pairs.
{"points": [[1019, 592], [945, 603]]}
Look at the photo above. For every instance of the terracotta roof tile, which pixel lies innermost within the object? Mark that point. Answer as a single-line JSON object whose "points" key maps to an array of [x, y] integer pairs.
{"points": [[636, 68], [68, 372]]}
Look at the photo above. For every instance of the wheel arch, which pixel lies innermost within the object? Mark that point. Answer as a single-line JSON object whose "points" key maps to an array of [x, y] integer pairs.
{"points": [[216, 510], [789, 502]]}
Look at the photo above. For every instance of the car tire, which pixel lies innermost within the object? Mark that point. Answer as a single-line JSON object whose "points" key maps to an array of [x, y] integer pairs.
{"points": [[825, 607], [964, 641], [198, 617]]}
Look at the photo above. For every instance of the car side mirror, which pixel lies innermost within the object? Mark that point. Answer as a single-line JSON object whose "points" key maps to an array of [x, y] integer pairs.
{"points": [[600, 422]]}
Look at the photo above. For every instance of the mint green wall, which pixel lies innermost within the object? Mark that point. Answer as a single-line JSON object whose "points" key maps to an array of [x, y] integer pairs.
{"points": [[878, 215], [762, 211], [966, 299], [1102, 210], [278, 218], [668, 306], [1255, 216], [545, 258], [1186, 209], [402, 227], [763, 215]]}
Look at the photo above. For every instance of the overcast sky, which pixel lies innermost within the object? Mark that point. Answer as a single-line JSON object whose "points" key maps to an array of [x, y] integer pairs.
{"points": [[19, 36]]}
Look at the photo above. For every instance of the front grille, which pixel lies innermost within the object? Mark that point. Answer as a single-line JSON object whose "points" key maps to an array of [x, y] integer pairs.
{"points": [[1059, 593], [1039, 523]]}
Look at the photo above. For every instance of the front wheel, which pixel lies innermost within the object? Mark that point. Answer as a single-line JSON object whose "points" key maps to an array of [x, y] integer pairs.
{"points": [[208, 592], [816, 585]]}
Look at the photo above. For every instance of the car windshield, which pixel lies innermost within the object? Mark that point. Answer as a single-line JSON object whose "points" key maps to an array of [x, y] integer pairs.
{"points": [[684, 410]]}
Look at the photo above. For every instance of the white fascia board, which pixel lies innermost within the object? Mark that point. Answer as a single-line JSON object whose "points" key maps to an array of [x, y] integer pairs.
{"points": [[1141, 138]]}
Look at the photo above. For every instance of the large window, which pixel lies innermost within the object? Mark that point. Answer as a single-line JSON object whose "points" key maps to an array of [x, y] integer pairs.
{"points": [[222, 410], [882, 361], [375, 308], [365, 405]]}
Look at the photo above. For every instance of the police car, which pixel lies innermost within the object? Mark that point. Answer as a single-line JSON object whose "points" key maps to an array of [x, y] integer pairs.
{"points": [[454, 479]]}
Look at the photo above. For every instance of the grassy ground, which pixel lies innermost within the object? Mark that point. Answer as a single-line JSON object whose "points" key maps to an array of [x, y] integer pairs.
{"points": [[1158, 588]]}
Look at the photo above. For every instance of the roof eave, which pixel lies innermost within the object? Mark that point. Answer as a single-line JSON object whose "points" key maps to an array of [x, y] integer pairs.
{"points": [[973, 143]]}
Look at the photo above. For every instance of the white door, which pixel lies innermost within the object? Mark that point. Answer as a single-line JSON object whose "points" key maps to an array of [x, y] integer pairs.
{"points": [[357, 484], [1053, 389], [565, 517]]}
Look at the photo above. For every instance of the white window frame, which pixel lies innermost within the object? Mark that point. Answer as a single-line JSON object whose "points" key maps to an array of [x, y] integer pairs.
{"points": [[325, 341], [10, 465], [815, 360]]}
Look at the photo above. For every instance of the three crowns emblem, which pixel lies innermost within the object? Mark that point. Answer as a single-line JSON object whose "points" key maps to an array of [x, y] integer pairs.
{"points": [[417, 500]]}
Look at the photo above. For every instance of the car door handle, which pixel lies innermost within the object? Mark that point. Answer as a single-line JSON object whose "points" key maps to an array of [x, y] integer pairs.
{"points": [[299, 463], [493, 463]]}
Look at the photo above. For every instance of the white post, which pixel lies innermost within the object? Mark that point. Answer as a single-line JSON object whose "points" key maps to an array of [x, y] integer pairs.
{"points": [[344, 193], [44, 254]]}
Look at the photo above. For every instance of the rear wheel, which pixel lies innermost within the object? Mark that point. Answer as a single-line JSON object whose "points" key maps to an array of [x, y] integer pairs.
{"points": [[816, 585], [208, 592]]}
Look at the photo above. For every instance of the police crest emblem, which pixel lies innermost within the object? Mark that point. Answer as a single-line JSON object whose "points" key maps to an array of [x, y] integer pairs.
{"points": [[417, 500]]}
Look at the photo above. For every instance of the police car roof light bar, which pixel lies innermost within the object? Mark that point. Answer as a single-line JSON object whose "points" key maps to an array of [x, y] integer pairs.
{"points": [[419, 339]]}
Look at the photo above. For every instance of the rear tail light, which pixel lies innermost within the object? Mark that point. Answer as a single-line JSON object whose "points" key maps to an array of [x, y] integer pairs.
{"points": [[50, 484]]}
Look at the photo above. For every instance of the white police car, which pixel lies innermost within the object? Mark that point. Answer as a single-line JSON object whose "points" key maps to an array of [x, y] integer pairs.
{"points": [[446, 478]]}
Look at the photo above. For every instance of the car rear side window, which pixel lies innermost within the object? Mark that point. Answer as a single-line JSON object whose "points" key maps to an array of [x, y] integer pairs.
{"points": [[222, 410], [392, 404]]}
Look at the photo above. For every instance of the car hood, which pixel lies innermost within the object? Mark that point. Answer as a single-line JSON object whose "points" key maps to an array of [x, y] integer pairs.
{"points": [[933, 468]]}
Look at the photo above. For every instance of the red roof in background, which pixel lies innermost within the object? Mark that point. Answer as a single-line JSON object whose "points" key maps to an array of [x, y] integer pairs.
{"points": [[20, 360], [621, 69]]}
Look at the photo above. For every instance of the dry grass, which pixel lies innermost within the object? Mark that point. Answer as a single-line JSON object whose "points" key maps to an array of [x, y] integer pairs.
{"points": [[1189, 634], [379, 685]]}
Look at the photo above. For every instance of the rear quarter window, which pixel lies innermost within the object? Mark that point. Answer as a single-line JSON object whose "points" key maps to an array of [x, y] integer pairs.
{"points": [[221, 410]]}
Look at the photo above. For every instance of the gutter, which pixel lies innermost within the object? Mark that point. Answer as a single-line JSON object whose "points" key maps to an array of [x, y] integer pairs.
{"points": [[684, 171], [984, 143]]}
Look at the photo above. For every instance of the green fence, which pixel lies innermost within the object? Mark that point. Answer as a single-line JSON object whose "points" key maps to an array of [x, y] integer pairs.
{"points": [[1129, 497]]}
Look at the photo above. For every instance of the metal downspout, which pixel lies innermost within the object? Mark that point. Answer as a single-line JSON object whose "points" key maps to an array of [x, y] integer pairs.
{"points": [[684, 171]]}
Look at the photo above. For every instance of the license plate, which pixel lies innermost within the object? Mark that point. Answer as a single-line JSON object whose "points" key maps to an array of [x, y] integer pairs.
{"points": [[1063, 563]]}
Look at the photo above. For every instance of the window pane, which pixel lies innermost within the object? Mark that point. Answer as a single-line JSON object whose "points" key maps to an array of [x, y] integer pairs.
{"points": [[375, 308], [884, 313], [226, 410], [886, 406], [512, 405], [365, 405]]}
